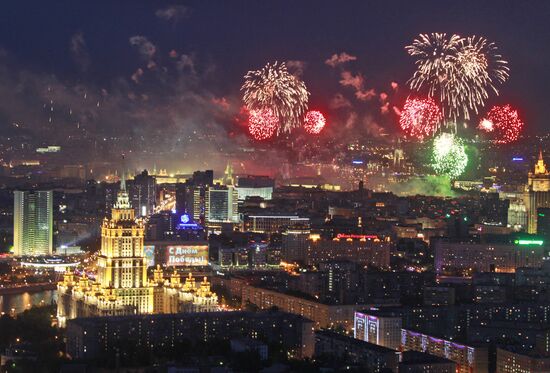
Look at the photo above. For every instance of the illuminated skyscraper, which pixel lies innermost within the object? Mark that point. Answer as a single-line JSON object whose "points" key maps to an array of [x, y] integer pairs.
{"points": [[33, 223], [121, 286], [121, 263], [538, 192]]}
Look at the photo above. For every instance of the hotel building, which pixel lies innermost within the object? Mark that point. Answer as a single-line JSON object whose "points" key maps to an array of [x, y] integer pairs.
{"points": [[121, 286]]}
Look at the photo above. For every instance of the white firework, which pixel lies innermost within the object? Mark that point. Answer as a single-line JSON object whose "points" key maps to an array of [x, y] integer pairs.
{"points": [[273, 87], [457, 71]]}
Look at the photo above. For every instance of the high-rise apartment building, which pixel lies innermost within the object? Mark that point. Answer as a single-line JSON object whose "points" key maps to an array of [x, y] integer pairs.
{"points": [[33, 223]]}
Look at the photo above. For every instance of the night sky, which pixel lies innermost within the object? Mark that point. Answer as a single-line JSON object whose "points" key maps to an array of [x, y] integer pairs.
{"points": [[157, 67]]}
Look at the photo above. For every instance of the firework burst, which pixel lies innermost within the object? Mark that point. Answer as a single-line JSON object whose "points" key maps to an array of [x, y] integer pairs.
{"points": [[486, 125], [479, 60], [449, 155], [314, 122], [435, 64], [273, 87], [262, 124], [420, 118], [458, 71], [505, 124]]}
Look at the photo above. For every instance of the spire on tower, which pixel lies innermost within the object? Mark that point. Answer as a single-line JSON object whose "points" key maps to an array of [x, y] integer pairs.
{"points": [[123, 182], [123, 199], [228, 174], [540, 167]]}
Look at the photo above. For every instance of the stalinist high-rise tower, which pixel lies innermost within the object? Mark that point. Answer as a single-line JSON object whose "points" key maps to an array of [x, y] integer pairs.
{"points": [[121, 264], [121, 286], [538, 193]]}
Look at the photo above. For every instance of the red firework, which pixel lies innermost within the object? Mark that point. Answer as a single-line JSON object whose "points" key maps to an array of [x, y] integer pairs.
{"points": [[420, 117], [314, 122], [506, 124], [262, 124]]}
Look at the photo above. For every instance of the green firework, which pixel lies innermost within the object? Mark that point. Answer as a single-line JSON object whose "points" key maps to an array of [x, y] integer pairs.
{"points": [[449, 155]]}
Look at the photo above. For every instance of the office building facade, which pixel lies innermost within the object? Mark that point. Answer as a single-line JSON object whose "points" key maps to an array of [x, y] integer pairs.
{"points": [[221, 204]]}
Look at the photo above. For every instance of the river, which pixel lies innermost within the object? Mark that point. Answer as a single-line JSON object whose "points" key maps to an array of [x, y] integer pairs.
{"points": [[17, 303]]}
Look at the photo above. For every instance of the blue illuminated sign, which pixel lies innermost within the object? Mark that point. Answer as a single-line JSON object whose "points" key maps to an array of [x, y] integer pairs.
{"points": [[186, 223], [357, 161], [517, 159]]}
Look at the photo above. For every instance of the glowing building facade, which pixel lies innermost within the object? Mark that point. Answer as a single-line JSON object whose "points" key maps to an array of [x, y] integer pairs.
{"points": [[173, 296], [121, 285], [33, 223], [538, 193], [379, 330]]}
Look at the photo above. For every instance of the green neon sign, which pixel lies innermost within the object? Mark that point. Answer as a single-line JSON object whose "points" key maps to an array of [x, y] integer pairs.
{"points": [[529, 242]]}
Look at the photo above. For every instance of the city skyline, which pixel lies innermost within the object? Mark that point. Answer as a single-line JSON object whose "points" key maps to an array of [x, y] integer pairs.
{"points": [[275, 186]]}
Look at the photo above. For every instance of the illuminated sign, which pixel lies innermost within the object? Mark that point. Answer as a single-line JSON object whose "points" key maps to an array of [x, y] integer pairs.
{"points": [[186, 223], [529, 242], [315, 237], [358, 236], [357, 161], [149, 253], [187, 255], [517, 159]]}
